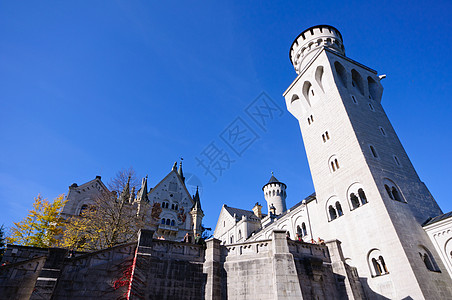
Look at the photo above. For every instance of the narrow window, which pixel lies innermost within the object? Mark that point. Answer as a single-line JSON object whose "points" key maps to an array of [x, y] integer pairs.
{"points": [[396, 194], [374, 153], [273, 192], [333, 167], [303, 228], [327, 135], [354, 200], [163, 221], [323, 137], [232, 239], [383, 264], [396, 160], [168, 221], [383, 132], [172, 222], [337, 163], [309, 121], [362, 196], [371, 106], [312, 119], [339, 209], [377, 267], [299, 232], [172, 206], [224, 223], [354, 100], [388, 190], [240, 234], [312, 92], [332, 212], [177, 207]]}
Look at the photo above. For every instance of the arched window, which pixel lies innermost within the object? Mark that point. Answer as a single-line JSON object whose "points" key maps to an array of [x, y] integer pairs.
{"points": [[354, 200], [168, 221], [240, 234], [83, 209], [336, 163], [177, 207], [377, 263], [232, 239], [299, 232], [393, 191], [357, 81], [333, 167], [362, 196], [332, 212], [277, 193], [172, 206], [428, 259], [172, 222], [333, 163], [163, 221], [377, 267], [303, 228], [273, 192], [340, 71], [339, 209]]}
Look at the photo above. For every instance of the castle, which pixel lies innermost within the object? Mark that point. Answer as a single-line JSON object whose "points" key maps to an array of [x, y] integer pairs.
{"points": [[371, 230]]}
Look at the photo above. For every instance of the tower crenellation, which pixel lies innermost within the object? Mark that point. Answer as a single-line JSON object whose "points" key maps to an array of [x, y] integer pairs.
{"points": [[312, 39]]}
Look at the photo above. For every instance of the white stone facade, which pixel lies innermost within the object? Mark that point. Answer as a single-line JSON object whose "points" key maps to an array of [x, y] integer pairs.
{"points": [[367, 193]]}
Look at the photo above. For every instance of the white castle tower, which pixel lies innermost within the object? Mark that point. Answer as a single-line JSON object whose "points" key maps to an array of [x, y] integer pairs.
{"points": [[275, 194], [369, 195]]}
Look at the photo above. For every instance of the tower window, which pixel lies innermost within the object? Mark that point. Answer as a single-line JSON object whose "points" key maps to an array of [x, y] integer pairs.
{"points": [[325, 136], [310, 119], [163, 221], [374, 153], [339, 209], [332, 213], [383, 132], [362, 196], [354, 200], [168, 221], [371, 106], [393, 191], [172, 222], [377, 263], [396, 160], [334, 163], [354, 99], [303, 228], [428, 259]]}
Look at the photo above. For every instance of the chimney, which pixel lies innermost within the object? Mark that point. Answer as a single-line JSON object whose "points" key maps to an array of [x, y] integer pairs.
{"points": [[257, 210]]}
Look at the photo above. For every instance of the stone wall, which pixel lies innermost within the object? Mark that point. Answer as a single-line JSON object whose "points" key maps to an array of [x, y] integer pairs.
{"points": [[276, 268]]}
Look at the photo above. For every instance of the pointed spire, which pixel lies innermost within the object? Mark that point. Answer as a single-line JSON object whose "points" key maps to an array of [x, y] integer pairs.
{"points": [[197, 205], [143, 192], [175, 166], [179, 171], [125, 194], [132, 195]]}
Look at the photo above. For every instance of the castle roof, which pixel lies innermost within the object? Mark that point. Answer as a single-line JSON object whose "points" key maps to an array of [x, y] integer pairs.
{"points": [[274, 180], [438, 218], [239, 213]]}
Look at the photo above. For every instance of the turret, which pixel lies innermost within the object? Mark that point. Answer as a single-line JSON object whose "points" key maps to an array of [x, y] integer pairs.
{"points": [[310, 41], [275, 193], [196, 214]]}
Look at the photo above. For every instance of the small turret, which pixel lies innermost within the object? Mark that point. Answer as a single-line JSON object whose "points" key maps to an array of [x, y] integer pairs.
{"points": [[257, 210], [196, 214], [275, 194]]}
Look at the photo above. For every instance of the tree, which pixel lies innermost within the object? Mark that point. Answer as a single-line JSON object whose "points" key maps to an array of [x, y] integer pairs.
{"points": [[110, 221], [42, 226]]}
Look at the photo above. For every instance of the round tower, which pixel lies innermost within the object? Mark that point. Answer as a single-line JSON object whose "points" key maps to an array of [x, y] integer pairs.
{"points": [[307, 44], [275, 193]]}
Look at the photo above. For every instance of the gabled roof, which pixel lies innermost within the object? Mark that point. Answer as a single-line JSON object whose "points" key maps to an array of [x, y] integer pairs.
{"points": [[178, 178], [241, 212], [438, 218]]}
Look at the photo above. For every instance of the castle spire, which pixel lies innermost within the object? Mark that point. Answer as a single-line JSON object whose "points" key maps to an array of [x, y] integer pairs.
{"points": [[143, 192], [179, 171], [197, 205], [125, 194]]}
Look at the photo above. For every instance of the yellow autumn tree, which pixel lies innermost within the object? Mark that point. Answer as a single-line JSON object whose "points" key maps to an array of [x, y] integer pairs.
{"points": [[111, 219], [42, 226]]}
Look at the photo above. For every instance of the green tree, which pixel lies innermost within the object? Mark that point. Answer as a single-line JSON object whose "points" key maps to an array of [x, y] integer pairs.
{"points": [[42, 226]]}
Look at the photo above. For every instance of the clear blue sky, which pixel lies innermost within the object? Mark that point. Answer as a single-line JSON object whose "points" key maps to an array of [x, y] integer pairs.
{"points": [[91, 87]]}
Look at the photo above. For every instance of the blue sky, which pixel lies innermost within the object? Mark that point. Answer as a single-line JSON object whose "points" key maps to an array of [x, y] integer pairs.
{"points": [[89, 88]]}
